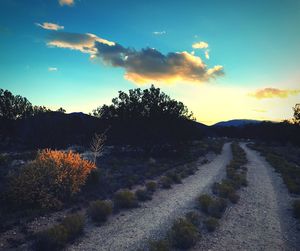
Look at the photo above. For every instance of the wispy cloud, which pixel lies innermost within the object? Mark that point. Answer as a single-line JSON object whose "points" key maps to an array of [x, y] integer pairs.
{"points": [[273, 93], [141, 66], [159, 32], [50, 26], [52, 69], [66, 2], [200, 45]]}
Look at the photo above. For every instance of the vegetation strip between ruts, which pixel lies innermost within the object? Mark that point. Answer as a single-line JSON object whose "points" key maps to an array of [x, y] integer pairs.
{"points": [[186, 231]]}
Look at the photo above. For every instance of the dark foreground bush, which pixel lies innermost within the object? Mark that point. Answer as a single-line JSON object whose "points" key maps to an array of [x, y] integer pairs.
{"points": [[143, 195], [223, 189], [205, 201], [296, 208], [125, 199], [211, 224], [217, 207], [194, 218], [175, 177], [159, 245], [99, 210], [166, 182], [56, 237], [184, 234], [151, 186], [233, 197]]}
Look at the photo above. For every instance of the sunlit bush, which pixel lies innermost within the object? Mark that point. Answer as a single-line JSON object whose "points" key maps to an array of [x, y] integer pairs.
{"points": [[52, 178]]}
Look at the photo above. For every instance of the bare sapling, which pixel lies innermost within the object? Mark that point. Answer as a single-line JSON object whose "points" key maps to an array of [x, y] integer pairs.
{"points": [[97, 145]]}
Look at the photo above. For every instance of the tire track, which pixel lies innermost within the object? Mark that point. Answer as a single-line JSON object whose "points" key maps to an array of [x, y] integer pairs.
{"points": [[131, 230]]}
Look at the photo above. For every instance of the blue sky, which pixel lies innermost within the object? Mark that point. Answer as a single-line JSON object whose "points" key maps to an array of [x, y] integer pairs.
{"points": [[256, 42]]}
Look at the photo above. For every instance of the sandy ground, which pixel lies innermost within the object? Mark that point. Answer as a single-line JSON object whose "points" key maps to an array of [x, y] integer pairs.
{"points": [[131, 230], [262, 220]]}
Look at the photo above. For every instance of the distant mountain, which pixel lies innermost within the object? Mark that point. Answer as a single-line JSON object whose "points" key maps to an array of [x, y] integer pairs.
{"points": [[237, 122]]}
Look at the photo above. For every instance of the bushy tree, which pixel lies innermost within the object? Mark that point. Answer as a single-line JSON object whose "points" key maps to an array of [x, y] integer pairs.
{"points": [[148, 103], [14, 107], [18, 107], [297, 114]]}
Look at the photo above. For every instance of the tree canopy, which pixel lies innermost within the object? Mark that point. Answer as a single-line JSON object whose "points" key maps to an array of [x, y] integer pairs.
{"points": [[18, 107], [297, 114], [148, 103]]}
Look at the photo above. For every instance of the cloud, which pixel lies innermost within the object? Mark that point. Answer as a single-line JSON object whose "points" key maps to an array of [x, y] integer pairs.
{"points": [[66, 2], [52, 69], [141, 66], [159, 32], [273, 93], [75, 41], [200, 45], [50, 26], [206, 54]]}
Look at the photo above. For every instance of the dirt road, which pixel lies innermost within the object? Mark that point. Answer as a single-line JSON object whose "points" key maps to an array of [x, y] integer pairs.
{"points": [[262, 220], [131, 230]]}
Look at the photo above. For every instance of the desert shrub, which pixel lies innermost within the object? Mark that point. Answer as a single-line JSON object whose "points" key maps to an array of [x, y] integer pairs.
{"points": [[223, 189], [56, 237], [52, 178], [74, 225], [204, 202], [143, 195], [93, 178], [151, 186], [194, 218], [184, 174], [233, 197], [99, 210], [159, 245], [125, 199], [183, 234], [296, 208], [191, 170], [217, 207], [175, 177], [3, 159], [211, 224], [165, 182]]}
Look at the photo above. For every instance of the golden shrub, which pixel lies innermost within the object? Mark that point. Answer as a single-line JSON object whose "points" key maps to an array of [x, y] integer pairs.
{"points": [[53, 177]]}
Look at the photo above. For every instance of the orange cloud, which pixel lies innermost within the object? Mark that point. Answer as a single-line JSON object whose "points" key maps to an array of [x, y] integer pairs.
{"points": [[273, 93], [66, 2]]}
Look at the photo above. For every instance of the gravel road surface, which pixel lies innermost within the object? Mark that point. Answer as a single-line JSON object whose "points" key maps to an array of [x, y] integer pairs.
{"points": [[131, 230]]}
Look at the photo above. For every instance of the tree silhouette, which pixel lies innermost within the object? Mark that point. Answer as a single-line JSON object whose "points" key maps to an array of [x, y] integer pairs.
{"points": [[14, 107], [297, 114], [149, 103], [18, 107]]}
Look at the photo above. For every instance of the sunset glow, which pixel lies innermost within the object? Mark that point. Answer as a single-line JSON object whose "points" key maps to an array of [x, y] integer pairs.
{"points": [[222, 59]]}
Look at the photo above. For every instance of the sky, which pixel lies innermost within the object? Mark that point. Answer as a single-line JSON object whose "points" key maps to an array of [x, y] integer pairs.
{"points": [[223, 59]]}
